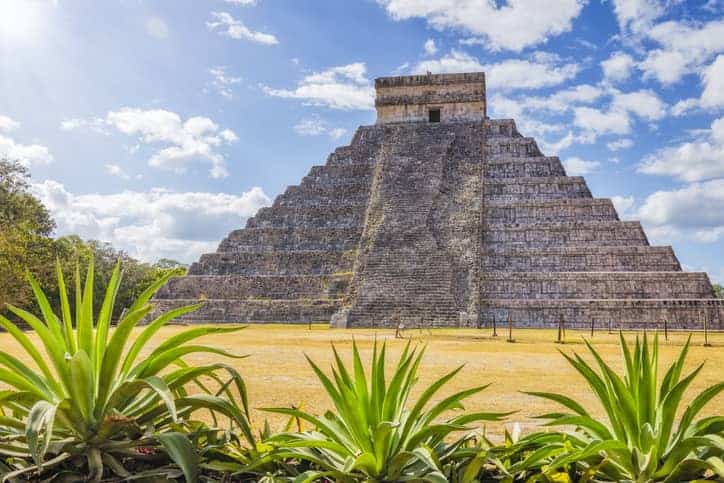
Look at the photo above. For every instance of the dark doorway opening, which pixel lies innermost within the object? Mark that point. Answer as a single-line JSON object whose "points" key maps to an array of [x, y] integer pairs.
{"points": [[434, 115]]}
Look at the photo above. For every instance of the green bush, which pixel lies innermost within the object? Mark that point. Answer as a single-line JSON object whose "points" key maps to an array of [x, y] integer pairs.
{"points": [[374, 435], [640, 439], [91, 407]]}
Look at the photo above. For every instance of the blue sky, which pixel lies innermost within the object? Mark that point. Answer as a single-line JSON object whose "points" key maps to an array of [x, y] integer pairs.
{"points": [[160, 126]]}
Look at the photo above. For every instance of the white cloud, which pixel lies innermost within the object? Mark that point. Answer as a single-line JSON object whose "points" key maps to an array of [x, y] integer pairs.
{"points": [[8, 124], [643, 103], [597, 122], [577, 167], [513, 25], [430, 47], [116, 170], [153, 224], [618, 67], [241, 2], [685, 48], [223, 83], [623, 205], [344, 87], [234, 28], [690, 161], [618, 144], [542, 70], [96, 124], [157, 27], [637, 15], [317, 127], [26, 154], [713, 77], [197, 138], [695, 211]]}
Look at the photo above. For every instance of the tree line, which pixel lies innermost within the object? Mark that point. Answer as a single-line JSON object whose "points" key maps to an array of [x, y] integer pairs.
{"points": [[27, 245]]}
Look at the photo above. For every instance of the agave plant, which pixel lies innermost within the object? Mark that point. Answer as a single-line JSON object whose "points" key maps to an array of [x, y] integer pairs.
{"points": [[90, 405], [374, 435], [639, 440]]}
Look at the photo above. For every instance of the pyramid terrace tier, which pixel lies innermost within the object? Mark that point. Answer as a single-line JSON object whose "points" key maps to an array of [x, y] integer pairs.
{"points": [[581, 259], [604, 315], [555, 234], [291, 238], [593, 285], [214, 311], [242, 287], [535, 211], [336, 216], [537, 188], [301, 262], [514, 147], [532, 167]]}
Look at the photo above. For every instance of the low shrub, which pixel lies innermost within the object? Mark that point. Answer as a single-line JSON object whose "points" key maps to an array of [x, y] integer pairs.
{"points": [[640, 439]]}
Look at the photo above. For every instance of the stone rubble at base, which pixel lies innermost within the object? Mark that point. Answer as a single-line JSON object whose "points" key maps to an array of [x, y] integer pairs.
{"points": [[450, 223]]}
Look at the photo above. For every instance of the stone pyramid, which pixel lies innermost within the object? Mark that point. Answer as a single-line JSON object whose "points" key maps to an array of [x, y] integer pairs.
{"points": [[439, 216]]}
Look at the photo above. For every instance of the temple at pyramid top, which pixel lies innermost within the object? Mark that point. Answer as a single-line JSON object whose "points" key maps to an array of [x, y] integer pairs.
{"points": [[431, 98]]}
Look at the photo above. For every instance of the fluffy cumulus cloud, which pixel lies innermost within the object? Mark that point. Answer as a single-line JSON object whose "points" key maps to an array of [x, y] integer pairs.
{"points": [[539, 71], [578, 167], [317, 127], [153, 224], [635, 16], [696, 210], [511, 25], [616, 118], [227, 25], [619, 144], [713, 77], [618, 67], [624, 205], [344, 87], [684, 48], [26, 154], [695, 160], [196, 138]]}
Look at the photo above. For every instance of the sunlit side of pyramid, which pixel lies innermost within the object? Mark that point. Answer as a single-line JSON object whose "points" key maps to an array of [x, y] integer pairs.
{"points": [[439, 216]]}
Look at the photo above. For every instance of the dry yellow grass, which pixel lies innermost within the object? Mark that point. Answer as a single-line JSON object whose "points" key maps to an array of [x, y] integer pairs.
{"points": [[277, 373]]}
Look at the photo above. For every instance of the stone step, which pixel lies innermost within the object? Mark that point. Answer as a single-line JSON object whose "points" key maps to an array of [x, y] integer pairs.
{"points": [[502, 147], [320, 174], [298, 238], [538, 188], [344, 215], [302, 262], [510, 167], [299, 311], [495, 128], [534, 211], [554, 234], [581, 259], [592, 285], [241, 287], [684, 314], [310, 194]]}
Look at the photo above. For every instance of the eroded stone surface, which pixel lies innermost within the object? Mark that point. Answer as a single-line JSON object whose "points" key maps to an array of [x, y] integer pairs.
{"points": [[457, 222]]}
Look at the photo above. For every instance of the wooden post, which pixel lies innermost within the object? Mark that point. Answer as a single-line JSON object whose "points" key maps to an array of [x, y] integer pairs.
{"points": [[495, 328], [609, 326], [510, 329], [706, 332], [592, 322], [666, 328], [561, 331]]}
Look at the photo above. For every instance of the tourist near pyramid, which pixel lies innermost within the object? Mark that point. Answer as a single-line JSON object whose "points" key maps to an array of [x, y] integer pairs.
{"points": [[439, 216]]}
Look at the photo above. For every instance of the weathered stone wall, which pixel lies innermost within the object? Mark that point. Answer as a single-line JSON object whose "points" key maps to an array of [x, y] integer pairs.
{"points": [[459, 97]]}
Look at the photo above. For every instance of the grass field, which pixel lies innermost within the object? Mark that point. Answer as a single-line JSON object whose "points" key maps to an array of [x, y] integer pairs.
{"points": [[277, 373]]}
